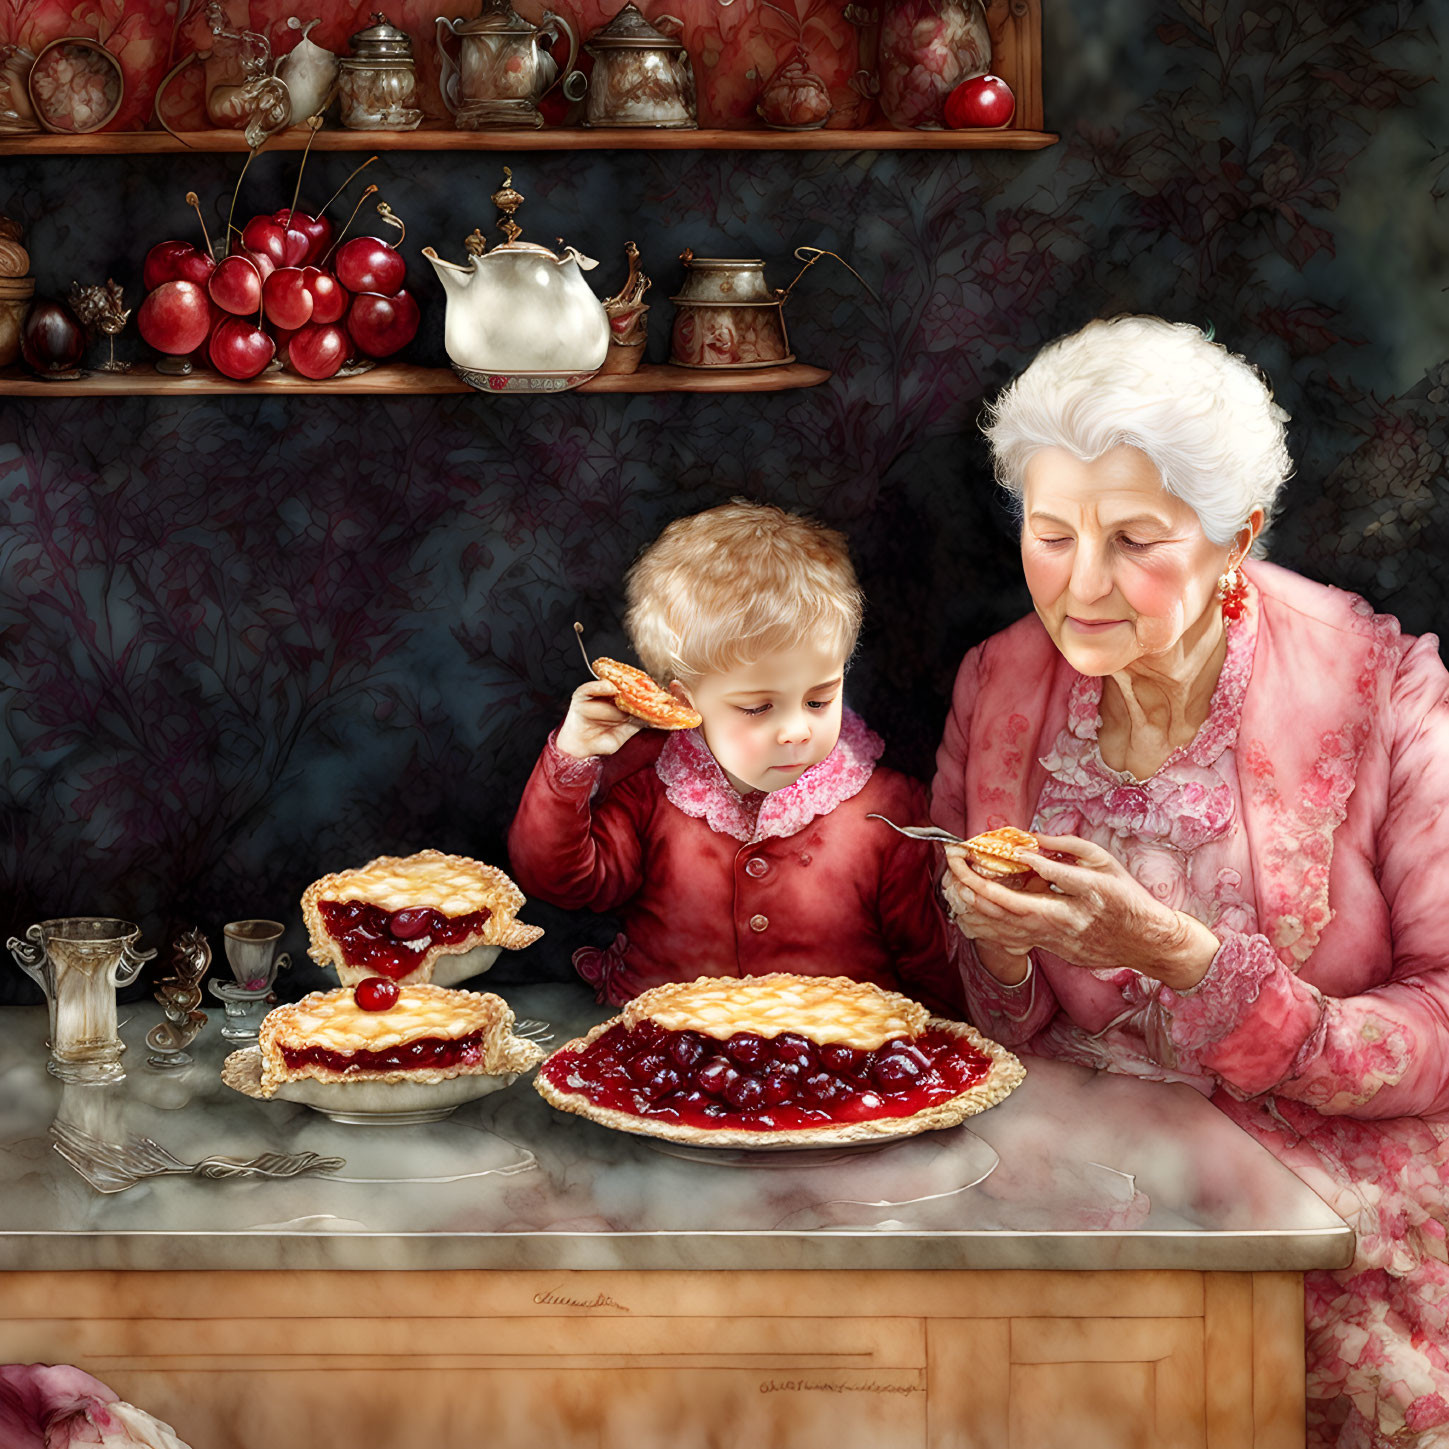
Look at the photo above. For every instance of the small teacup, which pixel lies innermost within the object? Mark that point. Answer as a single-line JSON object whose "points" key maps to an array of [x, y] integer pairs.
{"points": [[251, 951]]}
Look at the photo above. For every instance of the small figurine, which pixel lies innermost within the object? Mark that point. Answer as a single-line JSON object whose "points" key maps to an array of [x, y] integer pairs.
{"points": [[100, 306], [180, 998], [628, 319]]}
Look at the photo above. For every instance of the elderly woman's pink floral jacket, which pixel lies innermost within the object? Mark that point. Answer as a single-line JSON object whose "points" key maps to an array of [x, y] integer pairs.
{"points": [[1339, 998]]}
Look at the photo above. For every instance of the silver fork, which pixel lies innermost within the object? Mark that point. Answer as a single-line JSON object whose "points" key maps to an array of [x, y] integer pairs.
{"points": [[921, 832], [113, 1166], [539, 1031]]}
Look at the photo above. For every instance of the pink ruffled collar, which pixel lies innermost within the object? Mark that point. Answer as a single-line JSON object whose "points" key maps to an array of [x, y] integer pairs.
{"points": [[694, 783], [1219, 730]]}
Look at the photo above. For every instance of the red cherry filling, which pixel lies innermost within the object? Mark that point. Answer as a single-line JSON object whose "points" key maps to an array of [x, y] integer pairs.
{"points": [[764, 1084], [375, 993], [428, 1051], [388, 943]]}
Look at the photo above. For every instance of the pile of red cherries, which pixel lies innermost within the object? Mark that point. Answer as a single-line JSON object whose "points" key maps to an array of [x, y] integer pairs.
{"points": [[282, 289], [767, 1082]]}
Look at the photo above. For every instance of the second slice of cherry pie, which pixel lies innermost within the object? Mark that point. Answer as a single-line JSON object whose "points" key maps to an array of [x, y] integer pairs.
{"points": [[777, 1060], [412, 1034], [397, 916]]}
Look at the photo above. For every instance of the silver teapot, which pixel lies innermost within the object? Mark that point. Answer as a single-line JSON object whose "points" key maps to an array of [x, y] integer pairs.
{"points": [[521, 318], [503, 70]]}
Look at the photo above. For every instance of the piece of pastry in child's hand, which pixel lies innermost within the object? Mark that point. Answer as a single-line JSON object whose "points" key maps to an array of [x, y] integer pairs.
{"points": [[637, 694], [996, 855]]}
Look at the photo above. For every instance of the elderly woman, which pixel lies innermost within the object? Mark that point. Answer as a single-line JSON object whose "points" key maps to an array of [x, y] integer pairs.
{"points": [[1242, 779]]}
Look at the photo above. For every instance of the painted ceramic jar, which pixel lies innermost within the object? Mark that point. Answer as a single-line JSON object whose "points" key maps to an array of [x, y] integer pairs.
{"points": [[927, 48], [738, 46]]}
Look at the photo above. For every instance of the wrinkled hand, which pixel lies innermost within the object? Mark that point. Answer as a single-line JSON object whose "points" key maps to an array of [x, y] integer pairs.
{"points": [[595, 725], [1088, 910]]}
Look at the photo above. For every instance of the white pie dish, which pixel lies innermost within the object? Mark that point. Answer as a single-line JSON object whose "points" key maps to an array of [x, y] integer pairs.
{"points": [[450, 970], [375, 1104]]}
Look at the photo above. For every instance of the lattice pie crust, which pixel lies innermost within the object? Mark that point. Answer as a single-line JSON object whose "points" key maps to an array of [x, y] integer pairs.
{"points": [[454, 885], [821, 1009], [333, 1021]]}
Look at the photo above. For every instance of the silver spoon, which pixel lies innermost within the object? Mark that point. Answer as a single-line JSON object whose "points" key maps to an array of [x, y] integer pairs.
{"points": [[579, 634], [921, 832]]}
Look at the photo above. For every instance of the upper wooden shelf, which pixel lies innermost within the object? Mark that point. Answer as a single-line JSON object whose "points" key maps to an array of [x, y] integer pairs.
{"points": [[396, 379], [563, 138]]}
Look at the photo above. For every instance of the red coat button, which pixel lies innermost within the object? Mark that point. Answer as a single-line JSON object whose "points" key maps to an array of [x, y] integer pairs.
{"points": [[756, 866], [758, 923]]}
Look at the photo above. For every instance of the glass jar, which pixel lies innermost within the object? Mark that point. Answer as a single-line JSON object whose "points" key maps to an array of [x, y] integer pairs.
{"points": [[377, 83], [927, 48]]}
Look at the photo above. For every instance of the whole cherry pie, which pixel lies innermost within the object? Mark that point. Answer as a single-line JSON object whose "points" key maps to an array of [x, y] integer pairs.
{"points": [[398, 916], [378, 1032], [777, 1060]]}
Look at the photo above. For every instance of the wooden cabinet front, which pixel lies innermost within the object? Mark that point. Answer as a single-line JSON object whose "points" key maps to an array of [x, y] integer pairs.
{"points": [[683, 1360]]}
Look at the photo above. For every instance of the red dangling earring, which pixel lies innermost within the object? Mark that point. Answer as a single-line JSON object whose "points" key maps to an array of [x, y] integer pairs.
{"points": [[1232, 593]]}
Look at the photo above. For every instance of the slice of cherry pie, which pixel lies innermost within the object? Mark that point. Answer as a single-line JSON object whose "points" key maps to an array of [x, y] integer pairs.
{"points": [[377, 1032], [399, 916], [778, 1060]]}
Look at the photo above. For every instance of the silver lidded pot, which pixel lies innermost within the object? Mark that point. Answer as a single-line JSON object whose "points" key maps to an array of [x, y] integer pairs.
{"points": [[503, 69], [642, 75], [377, 83]]}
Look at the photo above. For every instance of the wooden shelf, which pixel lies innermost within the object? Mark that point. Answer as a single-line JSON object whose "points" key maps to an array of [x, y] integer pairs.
{"points": [[395, 379], [115, 143]]}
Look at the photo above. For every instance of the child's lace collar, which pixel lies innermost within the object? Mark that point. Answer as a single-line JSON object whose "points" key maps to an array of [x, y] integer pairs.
{"points": [[695, 784]]}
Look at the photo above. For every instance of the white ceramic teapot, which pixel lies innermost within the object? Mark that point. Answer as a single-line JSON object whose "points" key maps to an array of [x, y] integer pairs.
{"points": [[521, 318]]}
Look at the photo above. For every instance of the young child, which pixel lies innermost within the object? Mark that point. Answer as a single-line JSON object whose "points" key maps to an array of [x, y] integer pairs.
{"points": [[742, 846]]}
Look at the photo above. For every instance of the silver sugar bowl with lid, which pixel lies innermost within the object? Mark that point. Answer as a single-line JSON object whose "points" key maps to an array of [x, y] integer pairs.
{"points": [[642, 74], [377, 83]]}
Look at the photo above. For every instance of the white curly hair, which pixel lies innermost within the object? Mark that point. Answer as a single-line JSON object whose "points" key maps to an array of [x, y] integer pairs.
{"points": [[1203, 415]]}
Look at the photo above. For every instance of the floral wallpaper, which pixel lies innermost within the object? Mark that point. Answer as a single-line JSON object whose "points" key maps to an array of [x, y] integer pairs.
{"points": [[247, 640]]}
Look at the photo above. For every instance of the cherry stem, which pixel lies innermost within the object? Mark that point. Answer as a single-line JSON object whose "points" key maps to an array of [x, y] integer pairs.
{"points": [[347, 183], [338, 239], [392, 219], [194, 202], [315, 123], [236, 191]]}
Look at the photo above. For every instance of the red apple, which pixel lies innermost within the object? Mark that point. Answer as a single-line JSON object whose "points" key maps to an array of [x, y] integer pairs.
{"points": [[262, 234], [240, 350], [175, 261], [318, 351], [236, 286], [175, 317], [369, 264], [380, 325], [984, 102]]}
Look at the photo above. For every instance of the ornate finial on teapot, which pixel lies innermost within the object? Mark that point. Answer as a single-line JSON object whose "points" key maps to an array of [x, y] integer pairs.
{"points": [[507, 200]]}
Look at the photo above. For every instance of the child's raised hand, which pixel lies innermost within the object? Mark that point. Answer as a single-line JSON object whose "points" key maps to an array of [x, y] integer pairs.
{"points": [[595, 725]]}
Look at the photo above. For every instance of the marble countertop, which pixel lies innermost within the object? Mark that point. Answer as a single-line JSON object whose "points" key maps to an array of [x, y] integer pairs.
{"points": [[1075, 1170]]}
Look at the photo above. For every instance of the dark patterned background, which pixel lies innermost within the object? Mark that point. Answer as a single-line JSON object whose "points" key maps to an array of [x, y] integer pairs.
{"points": [[245, 641]]}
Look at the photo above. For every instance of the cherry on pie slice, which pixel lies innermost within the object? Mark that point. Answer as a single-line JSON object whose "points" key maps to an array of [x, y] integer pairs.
{"points": [[406, 917], [776, 1061], [428, 1034]]}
